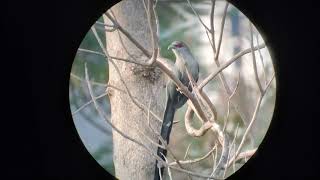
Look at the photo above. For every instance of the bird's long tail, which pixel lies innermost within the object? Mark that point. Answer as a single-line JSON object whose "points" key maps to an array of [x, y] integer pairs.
{"points": [[165, 133]]}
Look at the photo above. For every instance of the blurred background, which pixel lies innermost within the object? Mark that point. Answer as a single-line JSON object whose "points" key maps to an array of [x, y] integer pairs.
{"points": [[178, 22]]}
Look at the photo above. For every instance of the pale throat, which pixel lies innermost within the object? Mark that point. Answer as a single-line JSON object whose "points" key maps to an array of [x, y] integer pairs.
{"points": [[179, 60]]}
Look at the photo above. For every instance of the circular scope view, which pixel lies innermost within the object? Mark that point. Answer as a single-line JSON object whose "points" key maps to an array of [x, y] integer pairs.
{"points": [[172, 89]]}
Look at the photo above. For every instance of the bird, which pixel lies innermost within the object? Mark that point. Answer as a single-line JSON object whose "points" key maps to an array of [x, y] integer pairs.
{"points": [[176, 99]]}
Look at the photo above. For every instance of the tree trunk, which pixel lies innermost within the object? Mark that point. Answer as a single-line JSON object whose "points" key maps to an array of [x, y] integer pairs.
{"points": [[130, 160]]}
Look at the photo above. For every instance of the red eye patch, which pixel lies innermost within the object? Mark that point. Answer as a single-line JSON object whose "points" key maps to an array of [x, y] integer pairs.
{"points": [[178, 45]]}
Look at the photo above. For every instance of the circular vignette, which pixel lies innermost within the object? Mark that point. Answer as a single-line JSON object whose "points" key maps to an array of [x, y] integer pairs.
{"points": [[242, 96]]}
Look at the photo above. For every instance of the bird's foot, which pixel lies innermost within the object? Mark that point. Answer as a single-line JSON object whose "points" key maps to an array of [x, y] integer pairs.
{"points": [[179, 90]]}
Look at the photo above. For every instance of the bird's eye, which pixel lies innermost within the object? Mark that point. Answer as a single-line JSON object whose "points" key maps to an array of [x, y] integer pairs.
{"points": [[178, 45]]}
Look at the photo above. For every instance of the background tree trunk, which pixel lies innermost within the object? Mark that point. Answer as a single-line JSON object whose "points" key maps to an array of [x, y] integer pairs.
{"points": [[130, 160]]}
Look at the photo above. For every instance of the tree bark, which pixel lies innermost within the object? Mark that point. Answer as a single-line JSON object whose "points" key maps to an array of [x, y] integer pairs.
{"points": [[130, 160]]}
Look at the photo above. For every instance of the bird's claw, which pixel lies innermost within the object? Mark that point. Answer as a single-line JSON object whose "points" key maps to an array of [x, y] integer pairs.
{"points": [[179, 90]]}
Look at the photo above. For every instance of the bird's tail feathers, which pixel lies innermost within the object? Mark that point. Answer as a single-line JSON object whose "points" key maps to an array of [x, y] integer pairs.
{"points": [[165, 134]]}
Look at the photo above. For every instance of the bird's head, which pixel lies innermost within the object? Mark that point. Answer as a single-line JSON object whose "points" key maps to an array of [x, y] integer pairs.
{"points": [[177, 45]]}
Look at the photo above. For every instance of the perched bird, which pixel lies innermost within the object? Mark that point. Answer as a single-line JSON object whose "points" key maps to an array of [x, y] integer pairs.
{"points": [[175, 99]]}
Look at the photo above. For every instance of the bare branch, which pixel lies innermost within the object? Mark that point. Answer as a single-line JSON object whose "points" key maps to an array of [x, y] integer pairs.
{"points": [[192, 131], [246, 154], [252, 119], [262, 61], [222, 67], [195, 12], [169, 171], [254, 60], [92, 82], [269, 83], [112, 57], [91, 51], [127, 34], [213, 43], [186, 153], [216, 57], [151, 15], [229, 99], [233, 145], [91, 121], [171, 152], [203, 96], [219, 169], [212, 107], [215, 160], [104, 24], [190, 161], [87, 103], [250, 125]]}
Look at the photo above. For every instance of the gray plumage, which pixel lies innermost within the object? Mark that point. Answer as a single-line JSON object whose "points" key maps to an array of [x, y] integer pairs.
{"points": [[175, 99]]}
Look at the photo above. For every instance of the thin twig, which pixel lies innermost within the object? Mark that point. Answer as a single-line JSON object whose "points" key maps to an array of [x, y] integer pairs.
{"points": [[190, 161], [171, 152], [233, 142], [112, 57], [91, 51], [186, 153], [195, 12], [87, 103], [229, 99], [92, 82], [213, 42], [169, 171], [151, 15], [225, 65], [252, 119], [216, 57], [254, 61], [215, 160], [245, 154], [212, 107], [104, 24], [262, 61], [219, 169]]}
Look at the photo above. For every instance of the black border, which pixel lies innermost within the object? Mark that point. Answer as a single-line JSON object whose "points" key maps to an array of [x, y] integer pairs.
{"points": [[48, 34]]}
